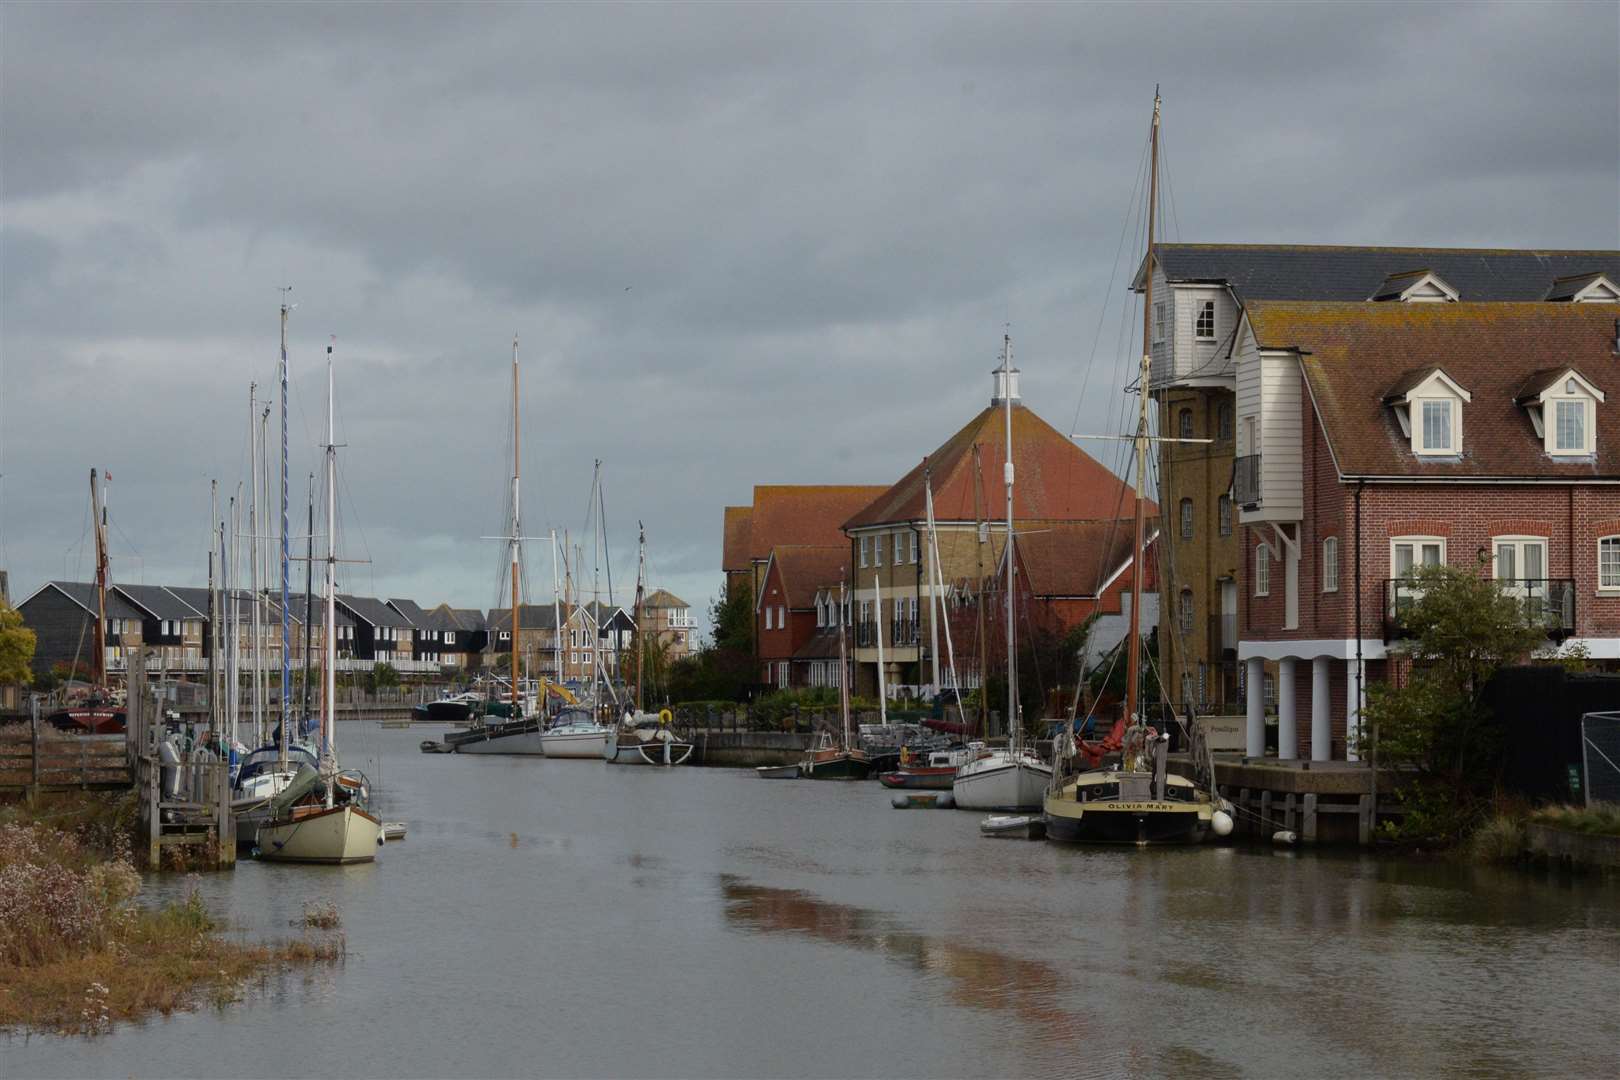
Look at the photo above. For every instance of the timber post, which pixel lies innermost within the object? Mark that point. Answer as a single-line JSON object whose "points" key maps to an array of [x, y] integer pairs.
{"points": [[33, 719]]}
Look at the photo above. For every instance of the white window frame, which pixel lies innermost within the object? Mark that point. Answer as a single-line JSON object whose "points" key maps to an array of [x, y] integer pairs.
{"points": [[1555, 429], [1420, 427], [1613, 585], [877, 550], [1186, 516], [865, 544], [767, 617], [1330, 564], [449, 637], [1417, 543], [1202, 330], [1185, 611], [1262, 569], [781, 617], [914, 547], [1158, 321], [1519, 544], [899, 547]]}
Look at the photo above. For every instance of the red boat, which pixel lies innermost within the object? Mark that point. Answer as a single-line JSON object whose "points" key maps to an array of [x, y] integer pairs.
{"points": [[928, 777], [89, 719]]}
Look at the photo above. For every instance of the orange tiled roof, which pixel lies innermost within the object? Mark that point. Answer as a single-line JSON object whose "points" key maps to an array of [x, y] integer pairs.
{"points": [[803, 514], [1054, 479], [1352, 352], [803, 569], [1076, 558]]}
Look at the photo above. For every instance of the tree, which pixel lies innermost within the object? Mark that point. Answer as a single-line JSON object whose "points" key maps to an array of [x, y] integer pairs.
{"points": [[732, 616], [1458, 629], [383, 675], [656, 653], [16, 648]]}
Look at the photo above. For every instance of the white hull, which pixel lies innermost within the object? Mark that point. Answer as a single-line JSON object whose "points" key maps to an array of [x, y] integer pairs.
{"points": [[576, 744], [649, 753], [1000, 781], [339, 835], [526, 742]]}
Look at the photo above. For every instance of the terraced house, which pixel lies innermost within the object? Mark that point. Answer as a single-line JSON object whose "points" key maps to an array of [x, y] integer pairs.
{"points": [[1201, 294]]}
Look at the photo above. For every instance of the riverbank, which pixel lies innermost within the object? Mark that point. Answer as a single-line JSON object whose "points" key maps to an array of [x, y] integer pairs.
{"points": [[80, 952]]}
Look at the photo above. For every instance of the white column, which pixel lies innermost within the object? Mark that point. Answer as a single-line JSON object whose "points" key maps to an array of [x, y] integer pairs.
{"points": [[1255, 696], [1352, 709], [1321, 711], [1287, 729]]}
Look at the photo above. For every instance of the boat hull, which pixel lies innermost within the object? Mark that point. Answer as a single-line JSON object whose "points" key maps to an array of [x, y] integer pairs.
{"points": [[582, 744], [341, 834], [526, 743], [836, 767], [926, 779], [647, 753], [777, 772], [1136, 823], [1001, 782]]}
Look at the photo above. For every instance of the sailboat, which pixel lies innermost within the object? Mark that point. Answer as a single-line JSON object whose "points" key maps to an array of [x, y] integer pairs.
{"points": [[577, 731], [1012, 777], [1136, 801], [518, 732], [643, 738], [329, 830], [826, 760], [98, 713]]}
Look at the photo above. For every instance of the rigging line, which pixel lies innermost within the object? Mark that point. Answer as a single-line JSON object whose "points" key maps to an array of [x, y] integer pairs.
{"points": [[1102, 316], [1170, 191]]}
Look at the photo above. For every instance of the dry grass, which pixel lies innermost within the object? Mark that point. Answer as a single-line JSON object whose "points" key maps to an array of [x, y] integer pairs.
{"points": [[1602, 819], [78, 953], [321, 915], [1500, 839]]}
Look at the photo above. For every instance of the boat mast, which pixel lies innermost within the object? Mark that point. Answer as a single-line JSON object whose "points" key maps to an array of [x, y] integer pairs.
{"points": [[981, 534], [1014, 726], [933, 585], [877, 626], [98, 517], [253, 558], [216, 712], [329, 629], [233, 693], [1133, 666], [843, 667], [641, 588], [517, 533], [309, 601], [286, 610], [556, 611], [936, 607]]}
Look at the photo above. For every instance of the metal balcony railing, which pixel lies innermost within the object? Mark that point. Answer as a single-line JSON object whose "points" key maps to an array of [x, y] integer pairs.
{"points": [[1246, 481], [902, 632], [866, 634], [1547, 603]]}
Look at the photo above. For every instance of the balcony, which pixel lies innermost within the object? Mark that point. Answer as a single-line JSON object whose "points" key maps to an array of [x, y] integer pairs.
{"points": [[1223, 637], [866, 634], [903, 632], [1548, 603], [1246, 481]]}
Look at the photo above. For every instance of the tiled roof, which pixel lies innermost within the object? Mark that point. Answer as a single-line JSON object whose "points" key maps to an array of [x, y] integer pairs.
{"points": [[823, 645], [1351, 352], [530, 617], [736, 541], [412, 611], [469, 619], [1054, 480], [804, 514], [1074, 559], [804, 569], [663, 598], [156, 601], [192, 596], [1311, 272], [371, 610], [83, 593]]}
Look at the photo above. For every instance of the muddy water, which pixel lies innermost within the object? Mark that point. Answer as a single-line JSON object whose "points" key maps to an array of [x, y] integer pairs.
{"points": [[570, 918]]}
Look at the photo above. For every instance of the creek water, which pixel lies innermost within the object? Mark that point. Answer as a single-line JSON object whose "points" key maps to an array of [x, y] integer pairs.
{"points": [[573, 918]]}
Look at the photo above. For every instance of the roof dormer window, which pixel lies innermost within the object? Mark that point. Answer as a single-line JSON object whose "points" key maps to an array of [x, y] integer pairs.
{"points": [[1562, 406], [1594, 288], [1415, 287], [1428, 406]]}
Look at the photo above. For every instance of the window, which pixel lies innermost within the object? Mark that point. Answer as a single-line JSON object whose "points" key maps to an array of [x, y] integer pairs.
{"points": [[1186, 519], [1251, 437], [781, 617], [1158, 321], [1269, 691], [1262, 570], [1609, 564], [449, 637], [767, 618], [1330, 564], [900, 548], [877, 551], [821, 613], [1205, 328], [1186, 611], [1569, 428], [1223, 420], [1519, 558], [1186, 423], [913, 547], [1436, 437], [1223, 508], [1407, 552], [864, 544]]}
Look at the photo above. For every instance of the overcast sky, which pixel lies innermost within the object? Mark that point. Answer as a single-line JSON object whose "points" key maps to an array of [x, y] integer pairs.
{"points": [[740, 244]]}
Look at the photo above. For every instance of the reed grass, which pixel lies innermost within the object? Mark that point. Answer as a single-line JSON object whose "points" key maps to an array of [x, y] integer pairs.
{"points": [[1602, 819], [79, 952]]}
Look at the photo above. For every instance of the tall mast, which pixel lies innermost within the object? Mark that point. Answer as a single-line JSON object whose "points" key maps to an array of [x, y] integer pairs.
{"points": [[980, 535], [517, 533], [641, 587], [329, 629], [843, 665], [233, 692], [883, 696], [937, 607], [1014, 727], [1133, 666], [263, 599], [933, 584], [98, 517], [286, 610], [309, 600], [556, 611], [253, 559], [216, 711]]}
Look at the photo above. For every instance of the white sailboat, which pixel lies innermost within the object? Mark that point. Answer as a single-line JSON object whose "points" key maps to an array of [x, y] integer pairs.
{"points": [[578, 732], [1012, 777], [329, 832]]}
